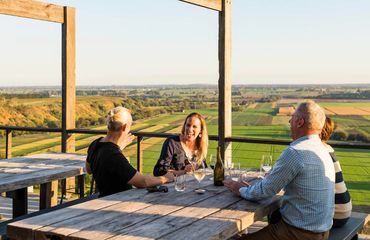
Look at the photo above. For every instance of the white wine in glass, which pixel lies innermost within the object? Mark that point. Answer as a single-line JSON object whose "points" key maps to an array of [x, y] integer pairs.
{"points": [[200, 173], [266, 164]]}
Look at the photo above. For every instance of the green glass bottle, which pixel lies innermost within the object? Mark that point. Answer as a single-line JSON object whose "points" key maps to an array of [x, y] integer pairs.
{"points": [[218, 171]]}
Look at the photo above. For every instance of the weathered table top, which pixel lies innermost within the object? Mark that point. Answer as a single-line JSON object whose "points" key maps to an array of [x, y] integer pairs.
{"points": [[21, 172], [137, 214]]}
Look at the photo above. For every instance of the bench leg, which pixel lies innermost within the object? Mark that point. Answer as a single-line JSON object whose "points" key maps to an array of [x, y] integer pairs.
{"points": [[355, 237], [20, 202], [48, 194]]}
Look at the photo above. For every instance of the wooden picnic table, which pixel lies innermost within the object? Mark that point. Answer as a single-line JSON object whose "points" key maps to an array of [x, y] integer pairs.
{"points": [[137, 214], [16, 174]]}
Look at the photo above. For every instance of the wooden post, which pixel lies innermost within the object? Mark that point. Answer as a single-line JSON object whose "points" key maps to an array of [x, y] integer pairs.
{"points": [[48, 194], [9, 140], [68, 85], [68, 79], [139, 154], [224, 83]]}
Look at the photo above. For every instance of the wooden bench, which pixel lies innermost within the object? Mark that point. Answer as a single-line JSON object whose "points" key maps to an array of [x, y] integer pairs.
{"points": [[351, 229], [347, 232], [4, 224]]}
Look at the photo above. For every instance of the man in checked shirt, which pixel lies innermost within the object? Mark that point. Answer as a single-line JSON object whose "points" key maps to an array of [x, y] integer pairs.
{"points": [[306, 173]]}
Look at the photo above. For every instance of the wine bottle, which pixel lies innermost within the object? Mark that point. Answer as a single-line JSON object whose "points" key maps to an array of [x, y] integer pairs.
{"points": [[218, 171]]}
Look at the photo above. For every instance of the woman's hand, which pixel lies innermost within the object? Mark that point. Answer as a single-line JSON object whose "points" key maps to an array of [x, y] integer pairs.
{"points": [[170, 177], [176, 172], [126, 141], [189, 168]]}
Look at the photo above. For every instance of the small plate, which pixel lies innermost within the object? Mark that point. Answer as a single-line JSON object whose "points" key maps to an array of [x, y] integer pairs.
{"points": [[200, 191]]}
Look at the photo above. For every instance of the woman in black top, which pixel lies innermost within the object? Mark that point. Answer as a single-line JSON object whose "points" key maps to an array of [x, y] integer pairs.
{"points": [[179, 151], [105, 160]]}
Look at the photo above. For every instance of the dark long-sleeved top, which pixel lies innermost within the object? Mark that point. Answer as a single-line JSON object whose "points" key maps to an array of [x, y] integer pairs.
{"points": [[172, 156]]}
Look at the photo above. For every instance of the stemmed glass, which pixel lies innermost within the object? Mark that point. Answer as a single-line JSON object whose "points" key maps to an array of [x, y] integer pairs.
{"points": [[200, 173], [235, 172], [266, 165], [212, 164]]}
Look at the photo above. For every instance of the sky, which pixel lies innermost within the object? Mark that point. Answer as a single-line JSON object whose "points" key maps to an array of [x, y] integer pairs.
{"points": [[121, 42]]}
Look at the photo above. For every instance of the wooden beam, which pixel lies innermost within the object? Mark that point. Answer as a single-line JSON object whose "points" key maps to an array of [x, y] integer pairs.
{"points": [[68, 79], [68, 87], [32, 9], [224, 83], [210, 4]]}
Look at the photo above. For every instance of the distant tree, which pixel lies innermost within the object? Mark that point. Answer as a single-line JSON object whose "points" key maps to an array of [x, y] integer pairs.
{"points": [[339, 135]]}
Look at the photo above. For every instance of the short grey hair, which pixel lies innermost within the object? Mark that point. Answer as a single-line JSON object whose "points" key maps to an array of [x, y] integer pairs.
{"points": [[313, 115], [117, 117]]}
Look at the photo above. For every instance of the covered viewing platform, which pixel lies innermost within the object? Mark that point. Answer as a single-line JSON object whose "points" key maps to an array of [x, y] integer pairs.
{"points": [[47, 194]]}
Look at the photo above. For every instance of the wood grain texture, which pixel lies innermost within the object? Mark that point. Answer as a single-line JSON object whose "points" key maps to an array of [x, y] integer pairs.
{"points": [[38, 169], [32, 9], [68, 79], [210, 4], [136, 214], [224, 82]]}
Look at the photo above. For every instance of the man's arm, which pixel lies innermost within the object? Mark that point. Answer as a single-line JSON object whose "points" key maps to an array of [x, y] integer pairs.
{"points": [[284, 171]]}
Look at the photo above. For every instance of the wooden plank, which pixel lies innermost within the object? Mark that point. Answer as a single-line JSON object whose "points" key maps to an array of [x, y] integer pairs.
{"points": [[226, 222], [32, 9], [28, 167], [224, 83], [157, 209], [24, 229], [39, 177], [9, 143], [48, 194], [177, 220], [210, 4]]}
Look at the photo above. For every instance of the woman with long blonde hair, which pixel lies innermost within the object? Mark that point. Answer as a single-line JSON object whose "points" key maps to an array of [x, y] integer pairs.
{"points": [[179, 152]]}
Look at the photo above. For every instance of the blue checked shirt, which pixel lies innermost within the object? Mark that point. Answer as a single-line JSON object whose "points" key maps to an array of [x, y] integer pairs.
{"points": [[306, 173]]}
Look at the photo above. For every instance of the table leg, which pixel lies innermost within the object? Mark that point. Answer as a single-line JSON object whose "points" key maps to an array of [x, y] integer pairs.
{"points": [[48, 194], [81, 185], [20, 202]]}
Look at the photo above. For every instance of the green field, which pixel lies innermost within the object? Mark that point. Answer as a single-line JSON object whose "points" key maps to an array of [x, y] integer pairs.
{"points": [[259, 122]]}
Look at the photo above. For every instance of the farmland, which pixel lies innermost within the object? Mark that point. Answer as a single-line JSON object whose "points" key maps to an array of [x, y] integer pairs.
{"points": [[251, 118]]}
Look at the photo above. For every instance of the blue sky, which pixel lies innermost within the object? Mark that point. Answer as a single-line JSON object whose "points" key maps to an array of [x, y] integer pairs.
{"points": [[122, 42]]}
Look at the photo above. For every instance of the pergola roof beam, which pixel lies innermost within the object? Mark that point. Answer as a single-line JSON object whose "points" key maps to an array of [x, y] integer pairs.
{"points": [[211, 4], [32, 9]]}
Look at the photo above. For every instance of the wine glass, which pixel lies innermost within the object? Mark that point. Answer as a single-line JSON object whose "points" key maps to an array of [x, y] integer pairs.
{"points": [[229, 166], [212, 164], [199, 174], [266, 165], [235, 172]]}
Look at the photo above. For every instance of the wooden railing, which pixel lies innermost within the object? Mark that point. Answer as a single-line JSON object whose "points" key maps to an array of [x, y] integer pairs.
{"points": [[141, 135]]}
